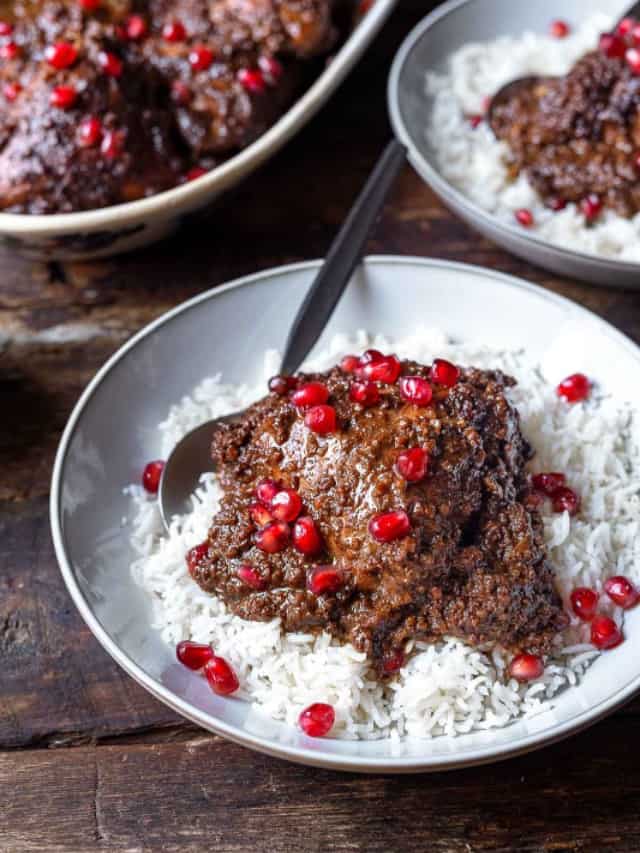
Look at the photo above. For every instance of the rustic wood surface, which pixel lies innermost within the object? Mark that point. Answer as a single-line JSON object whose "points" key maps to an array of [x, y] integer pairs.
{"points": [[88, 760]]}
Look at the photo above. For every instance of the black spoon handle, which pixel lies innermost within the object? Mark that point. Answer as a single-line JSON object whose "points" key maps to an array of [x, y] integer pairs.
{"points": [[342, 259], [633, 12]]}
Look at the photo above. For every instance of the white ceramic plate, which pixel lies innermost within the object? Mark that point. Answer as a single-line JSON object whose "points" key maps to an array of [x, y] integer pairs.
{"points": [[112, 433], [429, 47]]}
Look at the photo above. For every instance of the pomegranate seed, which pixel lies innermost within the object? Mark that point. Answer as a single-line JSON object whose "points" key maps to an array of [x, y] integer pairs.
{"points": [[9, 51], [632, 57], [548, 483], [222, 679], [349, 363], [90, 5], [286, 505], [61, 55], [306, 537], [524, 217], [136, 27], [5, 28], [591, 207], [557, 204], [251, 577], [252, 79], [193, 655], [416, 390], [584, 602], [89, 132], [310, 394], [475, 120], [200, 58], [324, 580], [282, 384], [317, 720], [412, 464], [266, 490], [625, 26], [365, 393], [112, 144], [151, 476], [271, 68], [444, 373], [526, 667], [174, 31], [612, 46], [196, 555], [63, 97], [393, 662], [11, 91], [110, 63], [260, 514], [605, 634], [369, 356], [559, 29], [273, 538], [622, 592], [180, 92], [195, 173], [565, 500], [389, 526], [635, 35], [321, 419], [574, 388], [385, 370]]}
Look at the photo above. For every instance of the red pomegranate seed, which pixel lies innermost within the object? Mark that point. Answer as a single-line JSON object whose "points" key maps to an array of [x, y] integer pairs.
{"points": [[321, 419], [349, 363], [110, 63], [195, 173], [63, 97], [584, 602], [112, 144], [151, 476], [136, 27], [524, 217], [612, 46], [622, 592], [281, 385], [416, 390], [635, 35], [200, 58], [266, 490], [90, 5], [444, 373], [174, 31], [271, 68], [393, 662], [310, 394], [591, 206], [389, 526], [221, 677], [286, 505], [526, 667], [625, 26], [475, 120], [366, 393], [412, 464], [196, 555], [11, 91], [251, 577], [386, 370], [557, 204], [574, 388], [548, 483], [61, 55], [369, 356], [565, 500], [89, 132], [193, 655], [605, 634], [317, 720], [306, 537], [324, 580], [559, 29], [9, 51], [632, 57], [273, 538], [180, 92], [260, 514], [5, 28], [252, 79]]}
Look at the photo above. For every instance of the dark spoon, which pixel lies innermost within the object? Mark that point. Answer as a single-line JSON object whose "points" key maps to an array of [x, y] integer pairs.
{"points": [[190, 457]]}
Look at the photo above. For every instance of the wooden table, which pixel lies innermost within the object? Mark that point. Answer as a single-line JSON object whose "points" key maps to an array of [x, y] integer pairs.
{"points": [[89, 760]]}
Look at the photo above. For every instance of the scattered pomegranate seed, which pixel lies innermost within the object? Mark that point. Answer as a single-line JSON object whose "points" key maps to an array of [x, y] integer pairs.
{"points": [[251, 577], [9, 51], [63, 97], [612, 46], [310, 394], [193, 655], [622, 592], [324, 580], [11, 91], [526, 667], [370, 355], [196, 555], [412, 464], [557, 204], [200, 58], [89, 132], [444, 373], [180, 92], [266, 490], [194, 173], [625, 26], [366, 393], [393, 662], [61, 55], [90, 5], [559, 29], [565, 500], [548, 483], [112, 144], [386, 370], [286, 505], [151, 476], [252, 79], [174, 31], [416, 390], [271, 68], [281, 385], [136, 27], [475, 120], [524, 217], [110, 63], [306, 536], [221, 677], [632, 57], [260, 514], [321, 419], [389, 526], [317, 720], [605, 634], [574, 388], [349, 363], [273, 538], [5, 28], [584, 602], [591, 206]]}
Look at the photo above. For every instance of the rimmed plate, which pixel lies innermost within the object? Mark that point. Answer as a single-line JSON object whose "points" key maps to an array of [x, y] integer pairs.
{"points": [[112, 433], [429, 47]]}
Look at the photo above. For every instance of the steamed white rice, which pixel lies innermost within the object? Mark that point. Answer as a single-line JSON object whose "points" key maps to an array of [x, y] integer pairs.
{"points": [[474, 160], [448, 688]]}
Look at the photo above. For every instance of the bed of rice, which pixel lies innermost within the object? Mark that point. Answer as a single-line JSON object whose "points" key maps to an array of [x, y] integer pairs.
{"points": [[474, 160], [447, 688]]}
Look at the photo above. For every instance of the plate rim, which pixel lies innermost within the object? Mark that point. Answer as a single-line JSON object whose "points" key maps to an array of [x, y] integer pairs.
{"points": [[411, 764]]}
